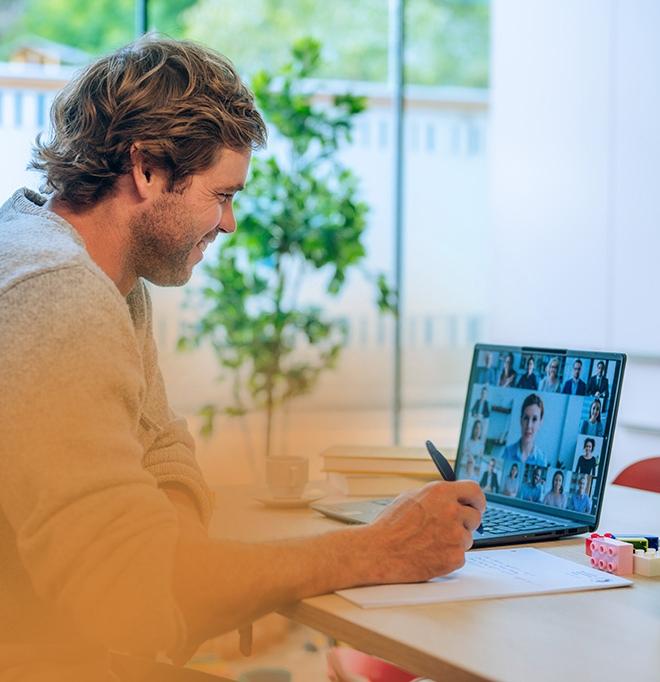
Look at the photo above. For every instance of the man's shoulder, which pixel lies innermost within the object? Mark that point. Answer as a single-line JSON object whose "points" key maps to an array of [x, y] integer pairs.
{"points": [[34, 240]]}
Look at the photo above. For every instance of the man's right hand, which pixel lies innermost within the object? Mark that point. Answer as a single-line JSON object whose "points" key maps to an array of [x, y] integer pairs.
{"points": [[424, 534], [224, 584]]}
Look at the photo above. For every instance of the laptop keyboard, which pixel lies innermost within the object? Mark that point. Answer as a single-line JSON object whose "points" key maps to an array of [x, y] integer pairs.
{"points": [[505, 522]]}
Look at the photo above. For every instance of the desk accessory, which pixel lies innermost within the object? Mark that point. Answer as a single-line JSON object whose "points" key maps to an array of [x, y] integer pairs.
{"points": [[647, 563], [592, 538], [488, 574], [612, 556], [381, 485], [400, 461], [287, 477], [268, 500], [651, 540]]}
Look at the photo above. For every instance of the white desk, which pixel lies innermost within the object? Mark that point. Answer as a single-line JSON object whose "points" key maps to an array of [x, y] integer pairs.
{"points": [[598, 635]]}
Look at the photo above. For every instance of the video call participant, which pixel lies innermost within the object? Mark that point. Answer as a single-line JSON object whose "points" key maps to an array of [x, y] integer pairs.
{"points": [[525, 449], [575, 385], [475, 445], [488, 373], [511, 483], [481, 408], [593, 426], [587, 463], [579, 501], [531, 491], [551, 382], [489, 483], [508, 374], [599, 385], [529, 380], [555, 497]]}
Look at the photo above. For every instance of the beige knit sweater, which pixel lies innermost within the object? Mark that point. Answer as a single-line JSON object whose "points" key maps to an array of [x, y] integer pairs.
{"points": [[86, 436]]}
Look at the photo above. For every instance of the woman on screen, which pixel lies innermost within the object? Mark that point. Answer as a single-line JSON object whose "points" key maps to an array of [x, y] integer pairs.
{"points": [[586, 463], [593, 426], [529, 380], [551, 382], [475, 446], [556, 497], [508, 374], [511, 483], [525, 450]]}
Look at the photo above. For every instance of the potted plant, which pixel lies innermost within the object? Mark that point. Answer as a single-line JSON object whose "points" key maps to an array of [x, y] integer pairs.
{"points": [[299, 218]]}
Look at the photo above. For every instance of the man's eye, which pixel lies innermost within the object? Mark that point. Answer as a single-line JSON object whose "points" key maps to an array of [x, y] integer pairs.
{"points": [[224, 198]]}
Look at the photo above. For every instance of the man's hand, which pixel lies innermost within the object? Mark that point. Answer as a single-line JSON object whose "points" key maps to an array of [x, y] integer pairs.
{"points": [[223, 584], [426, 533]]}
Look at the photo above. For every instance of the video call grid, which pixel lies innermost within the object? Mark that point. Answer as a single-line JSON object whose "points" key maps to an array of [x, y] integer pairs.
{"points": [[516, 399]]}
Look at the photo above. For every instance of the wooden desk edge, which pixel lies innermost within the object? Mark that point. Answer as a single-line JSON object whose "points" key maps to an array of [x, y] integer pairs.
{"points": [[416, 662]]}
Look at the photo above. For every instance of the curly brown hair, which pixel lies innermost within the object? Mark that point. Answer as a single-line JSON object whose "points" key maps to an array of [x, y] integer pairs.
{"points": [[180, 101]]}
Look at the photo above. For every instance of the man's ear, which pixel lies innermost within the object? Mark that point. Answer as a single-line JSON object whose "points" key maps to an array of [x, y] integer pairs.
{"points": [[149, 180]]}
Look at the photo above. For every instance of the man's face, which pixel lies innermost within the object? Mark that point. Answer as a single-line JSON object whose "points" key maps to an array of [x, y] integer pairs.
{"points": [[601, 369], [577, 368], [170, 236]]}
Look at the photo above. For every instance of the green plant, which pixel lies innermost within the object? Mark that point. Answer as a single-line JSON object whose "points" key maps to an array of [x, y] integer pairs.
{"points": [[299, 219]]}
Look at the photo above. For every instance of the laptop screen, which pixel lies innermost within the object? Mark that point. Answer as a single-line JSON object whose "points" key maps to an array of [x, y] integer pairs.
{"points": [[538, 424]]}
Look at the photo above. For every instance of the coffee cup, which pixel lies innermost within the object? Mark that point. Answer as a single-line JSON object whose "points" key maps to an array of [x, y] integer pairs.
{"points": [[287, 476]]}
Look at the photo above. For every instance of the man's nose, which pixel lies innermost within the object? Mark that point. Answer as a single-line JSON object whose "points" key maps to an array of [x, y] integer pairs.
{"points": [[228, 221]]}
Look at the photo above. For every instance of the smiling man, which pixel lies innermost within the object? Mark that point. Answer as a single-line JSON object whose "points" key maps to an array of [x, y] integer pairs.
{"points": [[103, 509]]}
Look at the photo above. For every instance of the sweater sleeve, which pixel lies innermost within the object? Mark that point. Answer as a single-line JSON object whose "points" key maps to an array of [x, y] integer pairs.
{"points": [[170, 453], [93, 531]]}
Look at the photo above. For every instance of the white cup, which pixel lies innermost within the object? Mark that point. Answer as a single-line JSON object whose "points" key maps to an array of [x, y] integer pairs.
{"points": [[287, 476]]}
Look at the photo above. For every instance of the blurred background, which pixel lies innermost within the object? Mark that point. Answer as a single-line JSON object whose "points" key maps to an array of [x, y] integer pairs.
{"points": [[529, 195]]}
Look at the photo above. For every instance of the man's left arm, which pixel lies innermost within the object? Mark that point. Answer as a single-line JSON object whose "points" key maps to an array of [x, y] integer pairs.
{"points": [[169, 447]]}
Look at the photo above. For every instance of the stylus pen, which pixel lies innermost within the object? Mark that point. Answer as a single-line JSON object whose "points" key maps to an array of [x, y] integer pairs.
{"points": [[444, 467]]}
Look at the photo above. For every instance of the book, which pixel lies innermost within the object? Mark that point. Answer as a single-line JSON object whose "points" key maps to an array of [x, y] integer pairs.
{"points": [[365, 485], [491, 574], [403, 461]]}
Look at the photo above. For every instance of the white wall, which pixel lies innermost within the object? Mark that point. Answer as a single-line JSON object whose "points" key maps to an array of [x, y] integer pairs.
{"points": [[575, 187]]}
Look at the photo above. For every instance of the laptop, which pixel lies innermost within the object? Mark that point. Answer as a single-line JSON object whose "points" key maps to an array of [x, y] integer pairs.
{"points": [[537, 436]]}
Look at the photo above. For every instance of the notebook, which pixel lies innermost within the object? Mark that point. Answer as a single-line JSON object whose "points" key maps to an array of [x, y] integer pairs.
{"points": [[536, 435]]}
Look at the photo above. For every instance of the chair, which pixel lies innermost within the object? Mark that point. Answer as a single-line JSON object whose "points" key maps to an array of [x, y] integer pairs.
{"points": [[644, 475], [345, 663]]}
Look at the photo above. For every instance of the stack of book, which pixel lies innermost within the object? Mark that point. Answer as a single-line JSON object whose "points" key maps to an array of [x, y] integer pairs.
{"points": [[369, 471]]}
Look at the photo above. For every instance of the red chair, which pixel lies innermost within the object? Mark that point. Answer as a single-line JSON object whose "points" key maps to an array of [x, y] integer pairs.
{"points": [[644, 475], [345, 663]]}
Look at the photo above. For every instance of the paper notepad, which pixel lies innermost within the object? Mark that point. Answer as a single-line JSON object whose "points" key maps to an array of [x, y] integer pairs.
{"points": [[488, 574]]}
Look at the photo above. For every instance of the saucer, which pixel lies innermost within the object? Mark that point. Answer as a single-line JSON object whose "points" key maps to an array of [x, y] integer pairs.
{"points": [[289, 502]]}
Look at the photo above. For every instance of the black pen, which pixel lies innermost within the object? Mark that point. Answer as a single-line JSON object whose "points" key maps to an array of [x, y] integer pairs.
{"points": [[444, 467]]}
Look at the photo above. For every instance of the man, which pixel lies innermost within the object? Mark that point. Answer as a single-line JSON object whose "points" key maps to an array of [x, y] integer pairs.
{"points": [[531, 490], [103, 507], [575, 385], [481, 408], [579, 501], [487, 374], [489, 482], [599, 385]]}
